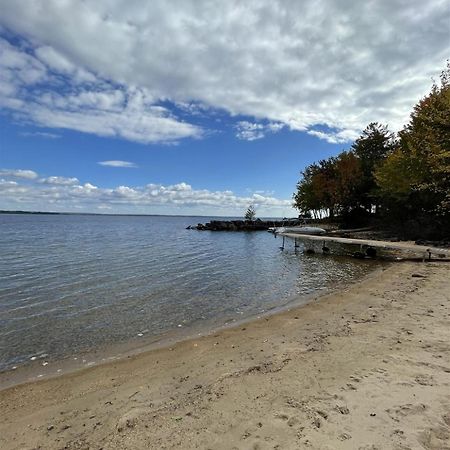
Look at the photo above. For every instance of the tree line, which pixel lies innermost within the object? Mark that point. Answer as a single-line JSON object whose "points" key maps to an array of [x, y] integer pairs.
{"points": [[400, 180]]}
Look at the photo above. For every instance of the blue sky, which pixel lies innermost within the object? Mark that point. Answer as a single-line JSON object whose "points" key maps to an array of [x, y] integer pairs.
{"points": [[198, 107]]}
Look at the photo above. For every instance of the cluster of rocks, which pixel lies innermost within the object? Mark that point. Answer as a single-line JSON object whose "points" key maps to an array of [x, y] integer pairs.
{"points": [[242, 225]]}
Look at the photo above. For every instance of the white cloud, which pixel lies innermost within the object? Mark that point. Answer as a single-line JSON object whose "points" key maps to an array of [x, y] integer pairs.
{"points": [[338, 137], [60, 181], [19, 173], [33, 90], [250, 131], [67, 194], [115, 163], [339, 64], [42, 134], [5, 185]]}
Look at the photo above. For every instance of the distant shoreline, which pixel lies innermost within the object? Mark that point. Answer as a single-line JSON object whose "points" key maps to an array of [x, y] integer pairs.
{"points": [[57, 213]]}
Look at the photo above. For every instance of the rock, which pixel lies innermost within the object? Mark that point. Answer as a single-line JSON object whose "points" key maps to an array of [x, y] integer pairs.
{"points": [[242, 225], [50, 427]]}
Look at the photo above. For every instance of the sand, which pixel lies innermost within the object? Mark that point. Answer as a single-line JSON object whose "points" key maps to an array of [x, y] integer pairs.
{"points": [[365, 368]]}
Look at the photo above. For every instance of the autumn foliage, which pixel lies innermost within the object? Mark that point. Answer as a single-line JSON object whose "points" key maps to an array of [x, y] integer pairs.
{"points": [[403, 180]]}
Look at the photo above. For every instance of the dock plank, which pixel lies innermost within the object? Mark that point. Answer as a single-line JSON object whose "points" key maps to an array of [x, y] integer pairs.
{"points": [[423, 250]]}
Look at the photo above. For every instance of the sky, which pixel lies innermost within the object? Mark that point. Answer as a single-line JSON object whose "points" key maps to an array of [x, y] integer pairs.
{"points": [[199, 107]]}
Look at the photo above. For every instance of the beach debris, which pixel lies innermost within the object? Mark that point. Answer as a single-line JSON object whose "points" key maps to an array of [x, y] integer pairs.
{"points": [[179, 325], [373, 414], [45, 363], [417, 275], [33, 358], [140, 334], [14, 368], [132, 395], [50, 427]]}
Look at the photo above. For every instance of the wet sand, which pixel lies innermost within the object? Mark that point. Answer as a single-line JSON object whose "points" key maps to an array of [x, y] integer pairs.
{"points": [[364, 368]]}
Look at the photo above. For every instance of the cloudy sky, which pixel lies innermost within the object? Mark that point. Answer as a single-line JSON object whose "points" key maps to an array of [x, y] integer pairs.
{"points": [[199, 107]]}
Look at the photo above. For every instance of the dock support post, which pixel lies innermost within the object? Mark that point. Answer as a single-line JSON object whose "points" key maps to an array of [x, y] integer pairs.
{"points": [[282, 245], [295, 243]]}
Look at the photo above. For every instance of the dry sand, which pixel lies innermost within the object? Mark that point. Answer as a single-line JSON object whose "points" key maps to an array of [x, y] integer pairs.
{"points": [[365, 368]]}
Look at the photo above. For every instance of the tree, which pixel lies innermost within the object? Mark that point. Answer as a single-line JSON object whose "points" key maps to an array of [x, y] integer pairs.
{"points": [[416, 176], [405, 179], [372, 148], [330, 186], [250, 214]]}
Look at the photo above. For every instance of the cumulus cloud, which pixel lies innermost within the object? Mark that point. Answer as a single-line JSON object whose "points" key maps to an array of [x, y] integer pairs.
{"points": [[40, 86], [116, 163], [60, 181], [340, 64], [68, 194], [249, 131], [19, 173], [335, 137]]}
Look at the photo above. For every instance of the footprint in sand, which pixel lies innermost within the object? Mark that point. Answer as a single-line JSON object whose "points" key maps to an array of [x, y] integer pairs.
{"points": [[405, 410], [436, 438], [424, 380]]}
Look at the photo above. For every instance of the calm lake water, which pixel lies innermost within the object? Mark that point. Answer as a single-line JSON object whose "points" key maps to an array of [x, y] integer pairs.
{"points": [[70, 284]]}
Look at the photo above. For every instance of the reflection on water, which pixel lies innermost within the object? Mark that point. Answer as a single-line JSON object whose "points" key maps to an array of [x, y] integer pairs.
{"points": [[73, 283]]}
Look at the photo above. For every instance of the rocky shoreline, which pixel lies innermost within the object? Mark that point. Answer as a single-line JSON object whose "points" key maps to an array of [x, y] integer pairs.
{"points": [[243, 225]]}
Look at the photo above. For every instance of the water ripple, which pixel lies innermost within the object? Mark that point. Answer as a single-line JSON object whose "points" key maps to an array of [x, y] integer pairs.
{"points": [[72, 283]]}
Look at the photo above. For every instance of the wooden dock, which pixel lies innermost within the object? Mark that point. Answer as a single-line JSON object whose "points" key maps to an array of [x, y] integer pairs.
{"points": [[404, 249]]}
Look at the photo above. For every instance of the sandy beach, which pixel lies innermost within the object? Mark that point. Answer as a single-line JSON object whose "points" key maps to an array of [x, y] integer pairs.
{"points": [[365, 368]]}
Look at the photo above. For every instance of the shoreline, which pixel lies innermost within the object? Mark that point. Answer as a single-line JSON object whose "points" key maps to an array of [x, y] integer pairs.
{"points": [[34, 371], [367, 366]]}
